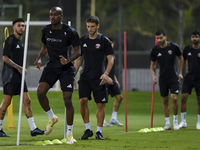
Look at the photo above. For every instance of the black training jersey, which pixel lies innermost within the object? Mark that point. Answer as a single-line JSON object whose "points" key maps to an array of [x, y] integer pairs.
{"points": [[58, 43], [94, 52], [15, 51], [166, 58], [193, 57]]}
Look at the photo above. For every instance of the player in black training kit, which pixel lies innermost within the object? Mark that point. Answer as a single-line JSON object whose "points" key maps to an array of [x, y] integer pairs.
{"points": [[192, 77], [56, 39], [165, 53], [114, 90], [12, 76], [95, 48]]}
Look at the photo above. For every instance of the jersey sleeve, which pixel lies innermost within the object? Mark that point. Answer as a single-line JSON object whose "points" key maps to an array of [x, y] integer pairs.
{"points": [[177, 51], [8, 47], [74, 38], [44, 30], [108, 47], [152, 55], [185, 53], [81, 44]]}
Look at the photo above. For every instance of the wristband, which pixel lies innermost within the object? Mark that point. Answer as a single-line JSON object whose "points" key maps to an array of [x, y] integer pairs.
{"points": [[39, 61]]}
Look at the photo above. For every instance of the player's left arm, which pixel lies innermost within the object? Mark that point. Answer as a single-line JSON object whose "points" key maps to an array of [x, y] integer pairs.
{"points": [[181, 66], [181, 62], [74, 56], [75, 42], [104, 77]]}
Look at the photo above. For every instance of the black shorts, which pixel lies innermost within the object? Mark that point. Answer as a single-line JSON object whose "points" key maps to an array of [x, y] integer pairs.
{"points": [[65, 75], [100, 92], [189, 84], [170, 84], [114, 89], [13, 88]]}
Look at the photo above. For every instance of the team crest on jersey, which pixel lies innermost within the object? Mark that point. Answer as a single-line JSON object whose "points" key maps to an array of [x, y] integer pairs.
{"points": [[198, 54], [97, 46], [65, 33], [169, 52]]}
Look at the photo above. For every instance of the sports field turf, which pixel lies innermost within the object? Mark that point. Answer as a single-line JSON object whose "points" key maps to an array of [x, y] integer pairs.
{"points": [[139, 115]]}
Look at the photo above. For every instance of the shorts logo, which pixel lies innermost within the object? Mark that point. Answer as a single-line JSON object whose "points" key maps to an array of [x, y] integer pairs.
{"points": [[198, 54], [103, 100], [97, 46], [176, 91], [159, 54], [69, 86], [169, 52]]}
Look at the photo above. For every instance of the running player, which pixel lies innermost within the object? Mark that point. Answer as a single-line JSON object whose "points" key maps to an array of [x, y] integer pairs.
{"points": [[114, 90], [56, 39], [165, 53], [95, 48], [191, 53], [13, 53]]}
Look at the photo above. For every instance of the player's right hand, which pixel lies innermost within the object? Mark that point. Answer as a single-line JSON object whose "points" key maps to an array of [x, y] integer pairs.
{"points": [[103, 79], [180, 78], [20, 69], [155, 80], [37, 64]]}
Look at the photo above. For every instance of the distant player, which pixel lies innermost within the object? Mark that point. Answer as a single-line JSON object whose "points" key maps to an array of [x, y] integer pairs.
{"points": [[165, 53], [191, 53], [13, 53], [114, 90], [95, 49], [56, 39]]}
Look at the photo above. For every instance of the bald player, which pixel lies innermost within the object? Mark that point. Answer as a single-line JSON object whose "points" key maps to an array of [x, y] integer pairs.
{"points": [[56, 39]]}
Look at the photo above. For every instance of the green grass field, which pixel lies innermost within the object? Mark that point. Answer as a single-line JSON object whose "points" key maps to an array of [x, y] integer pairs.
{"points": [[139, 115]]}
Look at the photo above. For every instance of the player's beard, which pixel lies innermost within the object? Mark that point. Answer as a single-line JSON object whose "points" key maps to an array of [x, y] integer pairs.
{"points": [[93, 33], [195, 42], [19, 33], [162, 43]]}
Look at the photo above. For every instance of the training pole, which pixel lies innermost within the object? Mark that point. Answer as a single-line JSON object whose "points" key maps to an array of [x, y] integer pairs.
{"points": [[10, 116], [10, 107], [125, 82], [65, 124], [23, 78], [153, 91]]}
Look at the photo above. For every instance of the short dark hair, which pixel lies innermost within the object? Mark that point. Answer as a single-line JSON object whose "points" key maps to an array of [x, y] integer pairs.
{"points": [[195, 33], [93, 19], [111, 39], [17, 20], [159, 32]]}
